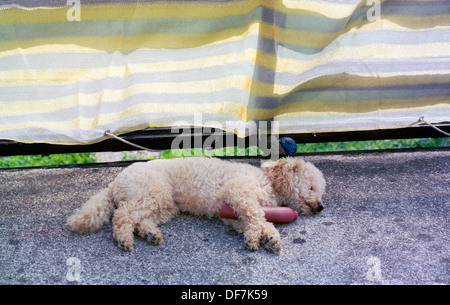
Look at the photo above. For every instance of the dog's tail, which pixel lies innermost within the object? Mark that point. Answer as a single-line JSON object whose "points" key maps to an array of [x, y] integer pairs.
{"points": [[94, 213]]}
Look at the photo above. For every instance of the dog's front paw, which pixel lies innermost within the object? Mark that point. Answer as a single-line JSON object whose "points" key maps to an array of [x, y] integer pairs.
{"points": [[272, 244], [251, 240], [251, 245], [264, 234], [270, 238]]}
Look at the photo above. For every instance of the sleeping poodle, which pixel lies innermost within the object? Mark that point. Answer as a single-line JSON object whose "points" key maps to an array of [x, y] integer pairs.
{"points": [[147, 195]]}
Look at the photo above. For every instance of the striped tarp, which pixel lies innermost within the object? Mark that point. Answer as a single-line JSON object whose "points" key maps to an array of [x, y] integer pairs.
{"points": [[69, 70]]}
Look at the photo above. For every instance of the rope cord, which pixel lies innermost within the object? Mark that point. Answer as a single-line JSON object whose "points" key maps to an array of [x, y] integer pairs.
{"points": [[422, 120], [110, 134]]}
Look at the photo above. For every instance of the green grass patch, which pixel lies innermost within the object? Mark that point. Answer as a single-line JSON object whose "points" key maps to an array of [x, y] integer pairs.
{"points": [[83, 158], [312, 148], [373, 145], [220, 152], [39, 160]]}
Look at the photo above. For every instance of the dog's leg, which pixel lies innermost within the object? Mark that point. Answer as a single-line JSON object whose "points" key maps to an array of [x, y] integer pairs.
{"points": [[243, 200], [148, 230], [262, 232], [147, 227], [143, 218], [155, 210], [123, 227]]}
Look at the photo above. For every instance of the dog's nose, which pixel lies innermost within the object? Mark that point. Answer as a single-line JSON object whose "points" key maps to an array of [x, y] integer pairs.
{"points": [[319, 207]]}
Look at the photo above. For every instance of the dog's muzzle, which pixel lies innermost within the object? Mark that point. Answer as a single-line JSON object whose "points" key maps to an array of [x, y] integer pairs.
{"points": [[319, 208]]}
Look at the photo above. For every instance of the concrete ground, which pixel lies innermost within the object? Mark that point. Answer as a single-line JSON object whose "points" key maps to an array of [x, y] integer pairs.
{"points": [[386, 221]]}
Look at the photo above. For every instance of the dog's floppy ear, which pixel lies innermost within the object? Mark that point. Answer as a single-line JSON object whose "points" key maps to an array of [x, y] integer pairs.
{"points": [[268, 164], [275, 171], [292, 167], [284, 165], [282, 171], [271, 165]]}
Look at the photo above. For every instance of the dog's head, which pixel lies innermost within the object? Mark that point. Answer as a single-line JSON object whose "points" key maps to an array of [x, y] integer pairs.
{"points": [[299, 184]]}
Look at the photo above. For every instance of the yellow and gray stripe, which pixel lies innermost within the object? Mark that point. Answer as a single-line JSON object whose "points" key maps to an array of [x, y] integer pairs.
{"points": [[311, 65]]}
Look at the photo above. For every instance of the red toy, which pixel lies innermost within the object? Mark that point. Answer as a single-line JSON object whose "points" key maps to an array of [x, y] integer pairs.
{"points": [[272, 214]]}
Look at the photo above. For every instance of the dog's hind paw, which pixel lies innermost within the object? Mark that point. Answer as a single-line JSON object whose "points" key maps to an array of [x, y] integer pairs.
{"points": [[150, 232], [154, 239], [125, 244]]}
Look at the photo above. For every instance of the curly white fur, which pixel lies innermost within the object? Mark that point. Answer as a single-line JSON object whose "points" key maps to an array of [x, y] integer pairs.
{"points": [[146, 195]]}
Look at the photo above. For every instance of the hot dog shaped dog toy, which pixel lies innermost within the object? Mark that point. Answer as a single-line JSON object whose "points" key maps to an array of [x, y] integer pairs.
{"points": [[272, 214]]}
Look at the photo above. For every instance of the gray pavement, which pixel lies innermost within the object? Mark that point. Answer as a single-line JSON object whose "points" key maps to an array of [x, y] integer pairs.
{"points": [[386, 221]]}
